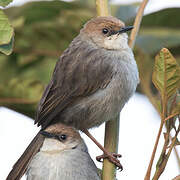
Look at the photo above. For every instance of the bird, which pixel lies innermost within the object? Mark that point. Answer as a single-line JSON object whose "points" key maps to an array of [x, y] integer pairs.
{"points": [[92, 80], [59, 152]]}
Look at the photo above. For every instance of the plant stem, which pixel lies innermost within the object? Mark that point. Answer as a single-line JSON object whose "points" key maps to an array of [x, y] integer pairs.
{"points": [[137, 23], [160, 169], [112, 126], [111, 144], [102, 7], [148, 173]]}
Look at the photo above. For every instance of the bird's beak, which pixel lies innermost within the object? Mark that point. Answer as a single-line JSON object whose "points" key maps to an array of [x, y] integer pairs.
{"points": [[125, 29]]}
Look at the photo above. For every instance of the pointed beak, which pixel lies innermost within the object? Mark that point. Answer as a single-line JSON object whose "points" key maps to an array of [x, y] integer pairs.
{"points": [[125, 29]]}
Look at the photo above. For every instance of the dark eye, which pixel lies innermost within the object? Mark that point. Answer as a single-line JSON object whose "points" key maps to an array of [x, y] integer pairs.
{"points": [[62, 137], [105, 31]]}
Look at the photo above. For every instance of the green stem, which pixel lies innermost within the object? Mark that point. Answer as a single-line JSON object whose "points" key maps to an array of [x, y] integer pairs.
{"points": [[111, 144], [102, 7], [111, 127]]}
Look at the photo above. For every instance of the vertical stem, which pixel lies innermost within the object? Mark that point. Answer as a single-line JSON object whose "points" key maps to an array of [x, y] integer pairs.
{"points": [[102, 7], [163, 116], [111, 144], [137, 23], [148, 173], [111, 127]]}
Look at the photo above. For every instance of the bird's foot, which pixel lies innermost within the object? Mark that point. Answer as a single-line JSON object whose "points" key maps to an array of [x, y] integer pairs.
{"points": [[113, 158]]}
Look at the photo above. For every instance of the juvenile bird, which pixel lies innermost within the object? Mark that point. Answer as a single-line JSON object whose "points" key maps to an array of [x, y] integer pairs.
{"points": [[59, 153]]}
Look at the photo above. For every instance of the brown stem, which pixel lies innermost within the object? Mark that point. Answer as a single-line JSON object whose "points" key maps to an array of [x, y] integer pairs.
{"points": [[137, 23], [171, 116], [17, 101], [40, 52], [160, 169], [148, 173]]}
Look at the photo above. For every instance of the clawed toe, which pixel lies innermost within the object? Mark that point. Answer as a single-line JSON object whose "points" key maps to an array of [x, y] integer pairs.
{"points": [[113, 158]]}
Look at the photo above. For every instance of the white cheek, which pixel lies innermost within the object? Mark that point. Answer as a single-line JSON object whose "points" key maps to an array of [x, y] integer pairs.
{"points": [[52, 144], [116, 42]]}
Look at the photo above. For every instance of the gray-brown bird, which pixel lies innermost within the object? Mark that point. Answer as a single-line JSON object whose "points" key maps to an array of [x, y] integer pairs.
{"points": [[59, 154], [93, 79]]}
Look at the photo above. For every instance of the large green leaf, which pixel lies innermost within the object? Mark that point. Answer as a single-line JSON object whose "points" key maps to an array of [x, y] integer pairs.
{"points": [[6, 34], [159, 29], [168, 18], [152, 40], [5, 2], [166, 75]]}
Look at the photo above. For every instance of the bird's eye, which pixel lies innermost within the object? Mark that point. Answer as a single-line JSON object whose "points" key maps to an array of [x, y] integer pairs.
{"points": [[105, 31], [62, 137]]}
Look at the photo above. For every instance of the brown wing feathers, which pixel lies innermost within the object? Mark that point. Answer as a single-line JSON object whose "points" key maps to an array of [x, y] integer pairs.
{"points": [[71, 81], [21, 165]]}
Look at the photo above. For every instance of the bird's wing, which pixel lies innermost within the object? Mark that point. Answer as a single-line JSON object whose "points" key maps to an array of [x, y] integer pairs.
{"points": [[76, 75], [22, 163]]}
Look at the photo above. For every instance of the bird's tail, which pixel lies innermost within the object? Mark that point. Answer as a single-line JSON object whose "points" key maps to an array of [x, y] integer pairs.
{"points": [[21, 165]]}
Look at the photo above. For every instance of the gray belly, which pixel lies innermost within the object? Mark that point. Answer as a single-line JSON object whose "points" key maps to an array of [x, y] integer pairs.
{"points": [[63, 166], [106, 103]]}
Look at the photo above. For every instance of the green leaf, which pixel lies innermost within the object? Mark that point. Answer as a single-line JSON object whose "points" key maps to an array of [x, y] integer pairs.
{"points": [[166, 75], [176, 109], [164, 18], [6, 34], [5, 2], [152, 40]]}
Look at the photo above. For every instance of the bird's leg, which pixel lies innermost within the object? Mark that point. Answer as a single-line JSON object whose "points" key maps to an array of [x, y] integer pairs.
{"points": [[112, 157]]}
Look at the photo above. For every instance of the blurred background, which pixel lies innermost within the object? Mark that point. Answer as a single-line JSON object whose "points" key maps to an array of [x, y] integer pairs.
{"points": [[43, 29]]}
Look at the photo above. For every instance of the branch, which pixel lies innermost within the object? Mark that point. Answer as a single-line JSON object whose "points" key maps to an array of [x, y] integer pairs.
{"points": [[148, 173], [137, 23], [17, 101]]}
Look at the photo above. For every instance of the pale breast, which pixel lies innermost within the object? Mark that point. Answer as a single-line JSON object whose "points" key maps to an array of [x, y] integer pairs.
{"points": [[68, 165]]}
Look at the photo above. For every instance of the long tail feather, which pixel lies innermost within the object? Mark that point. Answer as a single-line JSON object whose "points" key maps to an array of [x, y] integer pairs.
{"points": [[21, 165]]}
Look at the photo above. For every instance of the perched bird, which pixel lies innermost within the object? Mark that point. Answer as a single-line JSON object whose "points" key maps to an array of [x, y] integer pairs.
{"points": [[59, 153], [93, 79]]}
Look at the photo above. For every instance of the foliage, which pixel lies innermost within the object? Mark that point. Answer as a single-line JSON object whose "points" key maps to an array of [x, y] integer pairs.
{"points": [[5, 2], [41, 35], [6, 31], [166, 78]]}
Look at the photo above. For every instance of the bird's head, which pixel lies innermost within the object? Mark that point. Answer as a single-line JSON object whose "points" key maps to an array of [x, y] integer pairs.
{"points": [[59, 137], [107, 32]]}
